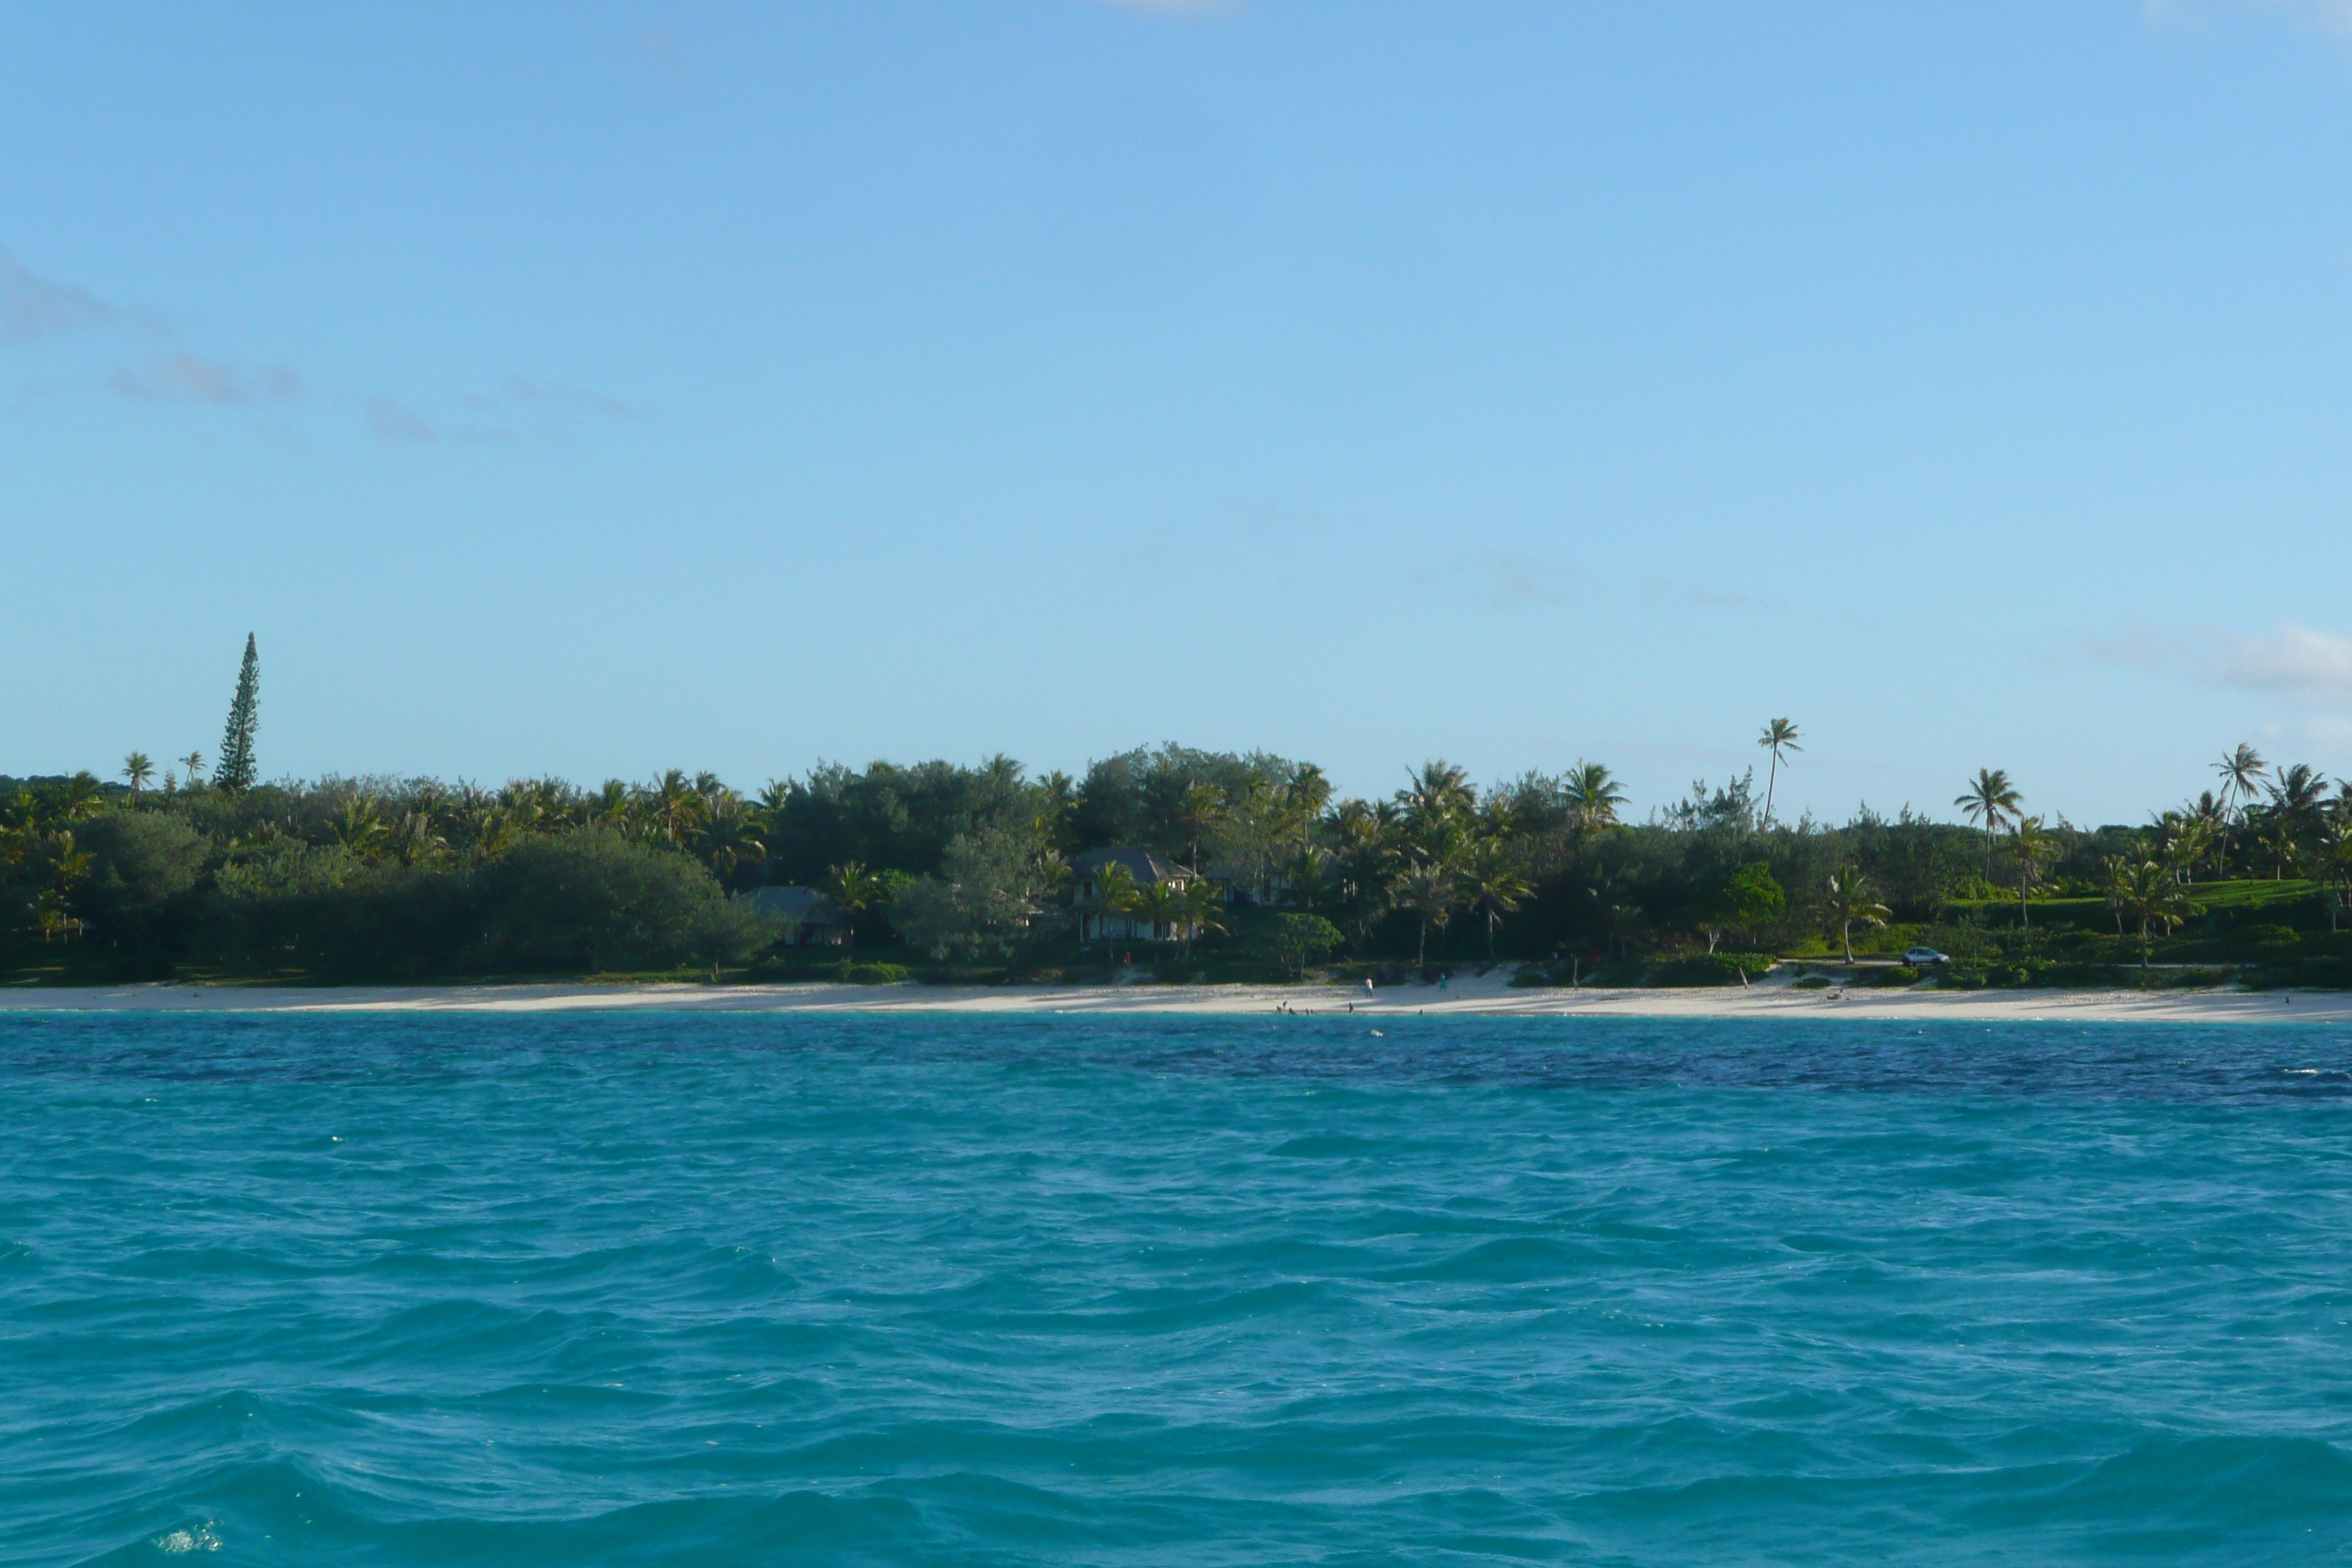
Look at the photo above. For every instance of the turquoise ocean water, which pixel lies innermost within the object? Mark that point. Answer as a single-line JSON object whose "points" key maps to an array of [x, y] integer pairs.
{"points": [[690, 1290]]}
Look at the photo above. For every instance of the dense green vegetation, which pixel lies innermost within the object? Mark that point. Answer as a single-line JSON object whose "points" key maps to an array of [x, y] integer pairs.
{"points": [[965, 869], [945, 869]]}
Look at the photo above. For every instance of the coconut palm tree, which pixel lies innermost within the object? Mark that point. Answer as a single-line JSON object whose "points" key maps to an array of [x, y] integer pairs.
{"points": [[1992, 800], [2278, 839], [138, 768], [1308, 875], [853, 889], [360, 828], [2298, 791], [81, 798], [1116, 893], [2242, 773], [1779, 736], [1853, 901], [1162, 905], [490, 833], [1199, 911], [1427, 890], [614, 806], [2034, 848], [2334, 866], [2182, 840], [1308, 792], [195, 762], [2141, 890], [2211, 812], [1594, 798], [1493, 885], [1437, 799], [2298, 803], [728, 837], [674, 806], [414, 841], [1202, 813]]}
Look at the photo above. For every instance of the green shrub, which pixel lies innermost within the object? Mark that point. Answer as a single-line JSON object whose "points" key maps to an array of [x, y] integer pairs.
{"points": [[2327, 971], [1710, 969], [1812, 982], [594, 900], [959, 975], [2198, 978], [1617, 972], [875, 973], [1898, 975], [2083, 976], [143, 867]]}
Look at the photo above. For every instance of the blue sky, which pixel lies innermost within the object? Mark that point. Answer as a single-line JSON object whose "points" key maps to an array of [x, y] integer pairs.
{"points": [[592, 389]]}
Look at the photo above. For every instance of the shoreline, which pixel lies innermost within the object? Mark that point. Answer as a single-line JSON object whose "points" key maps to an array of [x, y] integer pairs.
{"points": [[1487, 997]]}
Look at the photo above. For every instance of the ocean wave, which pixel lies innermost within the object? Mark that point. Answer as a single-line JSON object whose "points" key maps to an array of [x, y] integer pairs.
{"points": [[1062, 1291]]}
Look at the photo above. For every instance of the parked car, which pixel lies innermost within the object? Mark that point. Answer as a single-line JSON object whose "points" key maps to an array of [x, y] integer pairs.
{"points": [[1916, 956]]}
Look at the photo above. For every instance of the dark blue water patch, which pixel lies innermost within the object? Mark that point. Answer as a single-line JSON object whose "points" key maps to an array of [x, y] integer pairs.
{"points": [[702, 1289]]}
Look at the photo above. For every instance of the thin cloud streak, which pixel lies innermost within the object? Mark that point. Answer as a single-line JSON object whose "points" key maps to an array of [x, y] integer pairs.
{"points": [[393, 423], [35, 310], [521, 411], [191, 378]]}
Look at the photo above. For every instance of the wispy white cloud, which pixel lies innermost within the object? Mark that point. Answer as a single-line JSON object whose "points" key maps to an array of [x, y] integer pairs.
{"points": [[1515, 580], [191, 378], [1274, 518], [2299, 662], [1664, 591], [567, 402], [140, 356], [33, 308], [520, 410], [393, 423]]}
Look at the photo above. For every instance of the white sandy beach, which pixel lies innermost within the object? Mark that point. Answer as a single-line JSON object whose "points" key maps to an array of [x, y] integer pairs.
{"points": [[1467, 996]]}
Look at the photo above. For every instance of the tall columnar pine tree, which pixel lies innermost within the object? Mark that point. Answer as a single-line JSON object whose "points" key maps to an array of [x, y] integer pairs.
{"points": [[237, 772]]}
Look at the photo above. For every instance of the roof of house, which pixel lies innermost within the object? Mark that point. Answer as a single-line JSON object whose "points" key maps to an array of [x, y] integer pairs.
{"points": [[1146, 868], [804, 905]]}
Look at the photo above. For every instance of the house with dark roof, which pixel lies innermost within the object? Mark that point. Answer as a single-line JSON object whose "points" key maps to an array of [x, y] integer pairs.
{"points": [[1146, 870], [809, 915]]}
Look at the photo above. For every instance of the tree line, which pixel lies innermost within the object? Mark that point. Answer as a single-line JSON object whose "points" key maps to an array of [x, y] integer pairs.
{"points": [[970, 865]]}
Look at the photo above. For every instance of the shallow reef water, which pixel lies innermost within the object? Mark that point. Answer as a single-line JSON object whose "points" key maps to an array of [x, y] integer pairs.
{"points": [[688, 1290]]}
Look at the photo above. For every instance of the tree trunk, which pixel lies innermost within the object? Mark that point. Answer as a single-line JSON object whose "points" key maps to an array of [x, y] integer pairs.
{"points": [[1845, 935], [2143, 942], [1421, 953]]}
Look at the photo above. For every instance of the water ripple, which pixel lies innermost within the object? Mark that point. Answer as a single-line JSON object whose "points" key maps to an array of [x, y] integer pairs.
{"points": [[698, 1289]]}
